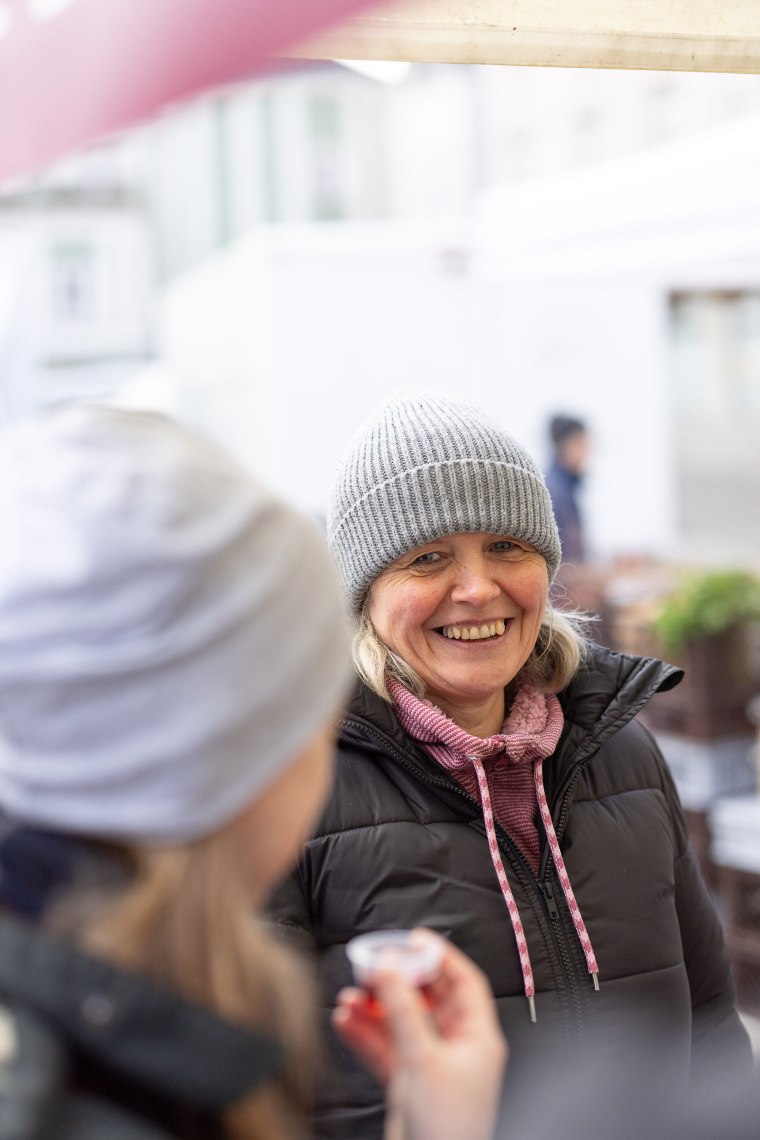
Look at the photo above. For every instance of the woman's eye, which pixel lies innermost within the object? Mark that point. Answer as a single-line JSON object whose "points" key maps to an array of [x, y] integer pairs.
{"points": [[426, 559], [506, 546]]}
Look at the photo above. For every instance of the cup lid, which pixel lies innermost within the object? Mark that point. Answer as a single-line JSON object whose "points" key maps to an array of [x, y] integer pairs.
{"points": [[417, 960]]}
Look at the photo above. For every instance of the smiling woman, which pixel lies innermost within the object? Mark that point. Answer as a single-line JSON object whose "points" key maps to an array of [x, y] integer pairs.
{"points": [[464, 614], [493, 783]]}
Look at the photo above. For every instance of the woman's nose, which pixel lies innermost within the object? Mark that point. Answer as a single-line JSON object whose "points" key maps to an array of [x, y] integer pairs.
{"points": [[474, 584]]}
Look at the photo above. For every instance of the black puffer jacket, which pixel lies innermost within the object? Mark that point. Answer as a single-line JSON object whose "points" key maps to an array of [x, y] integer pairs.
{"points": [[91, 1052], [401, 844]]}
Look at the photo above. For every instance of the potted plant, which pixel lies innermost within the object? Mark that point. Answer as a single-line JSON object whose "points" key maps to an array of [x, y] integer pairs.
{"points": [[709, 625]]}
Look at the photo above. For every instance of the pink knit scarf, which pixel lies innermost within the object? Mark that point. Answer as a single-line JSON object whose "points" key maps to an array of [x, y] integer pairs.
{"points": [[511, 789]]}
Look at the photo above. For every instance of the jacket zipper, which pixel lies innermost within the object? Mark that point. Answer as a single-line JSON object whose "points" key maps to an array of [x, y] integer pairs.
{"points": [[505, 840], [548, 892], [551, 904], [559, 937], [559, 826], [562, 817]]}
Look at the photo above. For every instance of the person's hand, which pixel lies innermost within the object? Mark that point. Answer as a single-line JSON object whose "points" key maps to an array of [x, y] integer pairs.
{"points": [[441, 1056]]}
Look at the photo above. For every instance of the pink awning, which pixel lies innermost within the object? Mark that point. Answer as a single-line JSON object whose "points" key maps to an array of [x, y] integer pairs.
{"points": [[73, 71]]}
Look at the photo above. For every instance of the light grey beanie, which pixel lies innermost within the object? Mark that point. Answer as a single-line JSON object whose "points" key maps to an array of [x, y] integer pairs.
{"points": [[424, 466], [171, 634]]}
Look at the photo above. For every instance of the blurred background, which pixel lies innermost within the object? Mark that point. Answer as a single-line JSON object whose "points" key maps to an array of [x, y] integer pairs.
{"points": [[269, 261]]}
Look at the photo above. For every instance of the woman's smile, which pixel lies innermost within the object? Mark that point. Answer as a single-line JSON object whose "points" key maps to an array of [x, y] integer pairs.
{"points": [[466, 631], [464, 613]]}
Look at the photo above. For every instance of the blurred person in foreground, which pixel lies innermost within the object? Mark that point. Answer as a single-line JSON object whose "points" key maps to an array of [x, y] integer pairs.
{"points": [[494, 784], [172, 659]]}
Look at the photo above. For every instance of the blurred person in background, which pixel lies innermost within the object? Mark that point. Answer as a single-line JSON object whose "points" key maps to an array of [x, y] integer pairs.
{"points": [[570, 444], [173, 655], [580, 582], [494, 784]]}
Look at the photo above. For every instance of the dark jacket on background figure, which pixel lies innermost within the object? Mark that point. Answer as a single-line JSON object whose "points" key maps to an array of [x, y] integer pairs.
{"points": [[563, 487], [92, 1052], [401, 844]]}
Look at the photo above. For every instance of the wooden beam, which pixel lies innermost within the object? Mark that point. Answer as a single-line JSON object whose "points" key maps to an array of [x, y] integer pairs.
{"points": [[668, 35]]}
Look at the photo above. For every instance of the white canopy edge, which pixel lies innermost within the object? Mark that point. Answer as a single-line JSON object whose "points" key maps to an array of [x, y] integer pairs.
{"points": [[667, 35]]}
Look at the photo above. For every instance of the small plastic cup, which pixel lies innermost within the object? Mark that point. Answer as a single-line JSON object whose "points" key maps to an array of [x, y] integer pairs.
{"points": [[417, 961]]}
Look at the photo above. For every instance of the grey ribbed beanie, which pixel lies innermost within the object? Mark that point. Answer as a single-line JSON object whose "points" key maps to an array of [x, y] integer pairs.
{"points": [[424, 466]]}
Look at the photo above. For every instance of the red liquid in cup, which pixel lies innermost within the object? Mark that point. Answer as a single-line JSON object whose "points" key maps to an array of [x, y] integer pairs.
{"points": [[375, 1008], [399, 952]]}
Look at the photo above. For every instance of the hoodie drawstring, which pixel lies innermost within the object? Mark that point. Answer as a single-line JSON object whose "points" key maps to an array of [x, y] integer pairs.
{"points": [[564, 878], [530, 733], [506, 890], [559, 863]]}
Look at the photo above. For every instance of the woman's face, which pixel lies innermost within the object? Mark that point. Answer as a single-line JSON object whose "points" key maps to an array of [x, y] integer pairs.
{"points": [[464, 612]]}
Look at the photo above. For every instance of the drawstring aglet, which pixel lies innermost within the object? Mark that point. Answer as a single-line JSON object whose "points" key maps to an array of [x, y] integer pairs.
{"points": [[595, 976], [532, 1007]]}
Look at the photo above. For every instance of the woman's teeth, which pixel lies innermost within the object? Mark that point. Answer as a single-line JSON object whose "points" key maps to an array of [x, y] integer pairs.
{"points": [[474, 632]]}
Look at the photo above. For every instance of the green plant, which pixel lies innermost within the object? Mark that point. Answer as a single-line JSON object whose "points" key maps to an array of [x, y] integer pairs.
{"points": [[708, 602]]}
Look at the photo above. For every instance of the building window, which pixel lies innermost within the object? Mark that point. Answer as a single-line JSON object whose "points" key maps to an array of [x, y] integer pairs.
{"points": [[325, 132], [72, 282], [715, 340], [715, 355], [746, 333]]}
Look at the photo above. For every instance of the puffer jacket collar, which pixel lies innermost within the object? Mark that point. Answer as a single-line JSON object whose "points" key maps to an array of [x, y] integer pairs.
{"points": [[608, 691]]}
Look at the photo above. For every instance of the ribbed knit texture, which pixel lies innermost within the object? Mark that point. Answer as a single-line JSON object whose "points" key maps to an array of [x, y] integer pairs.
{"points": [[425, 466], [511, 789], [532, 728]]}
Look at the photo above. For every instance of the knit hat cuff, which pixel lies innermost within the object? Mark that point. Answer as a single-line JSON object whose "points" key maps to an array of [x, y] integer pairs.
{"points": [[434, 499]]}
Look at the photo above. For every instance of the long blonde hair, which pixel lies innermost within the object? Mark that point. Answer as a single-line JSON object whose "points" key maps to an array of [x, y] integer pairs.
{"points": [[560, 649], [184, 919]]}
